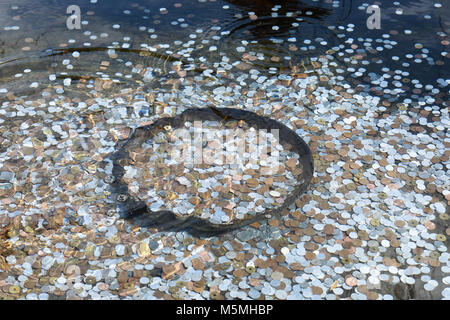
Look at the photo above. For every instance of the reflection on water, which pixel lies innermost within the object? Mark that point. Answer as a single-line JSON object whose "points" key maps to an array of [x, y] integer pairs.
{"points": [[371, 104]]}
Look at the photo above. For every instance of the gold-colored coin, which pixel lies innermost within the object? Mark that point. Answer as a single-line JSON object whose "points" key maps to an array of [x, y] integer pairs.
{"points": [[375, 222], [410, 183], [214, 295], [14, 289], [91, 280], [250, 269], [413, 223], [382, 195], [321, 121], [28, 229], [346, 260], [128, 285], [143, 250], [435, 255], [174, 289]]}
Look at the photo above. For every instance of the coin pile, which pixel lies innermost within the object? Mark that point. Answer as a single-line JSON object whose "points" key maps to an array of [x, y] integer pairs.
{"points": [[222, 185], [373, 108]]}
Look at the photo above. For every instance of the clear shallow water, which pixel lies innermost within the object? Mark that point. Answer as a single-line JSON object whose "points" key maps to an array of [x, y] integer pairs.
{"points": [[68, 97]]}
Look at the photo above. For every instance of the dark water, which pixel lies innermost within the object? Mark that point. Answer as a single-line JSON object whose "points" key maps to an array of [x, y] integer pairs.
{"points": [[412, 46]]}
